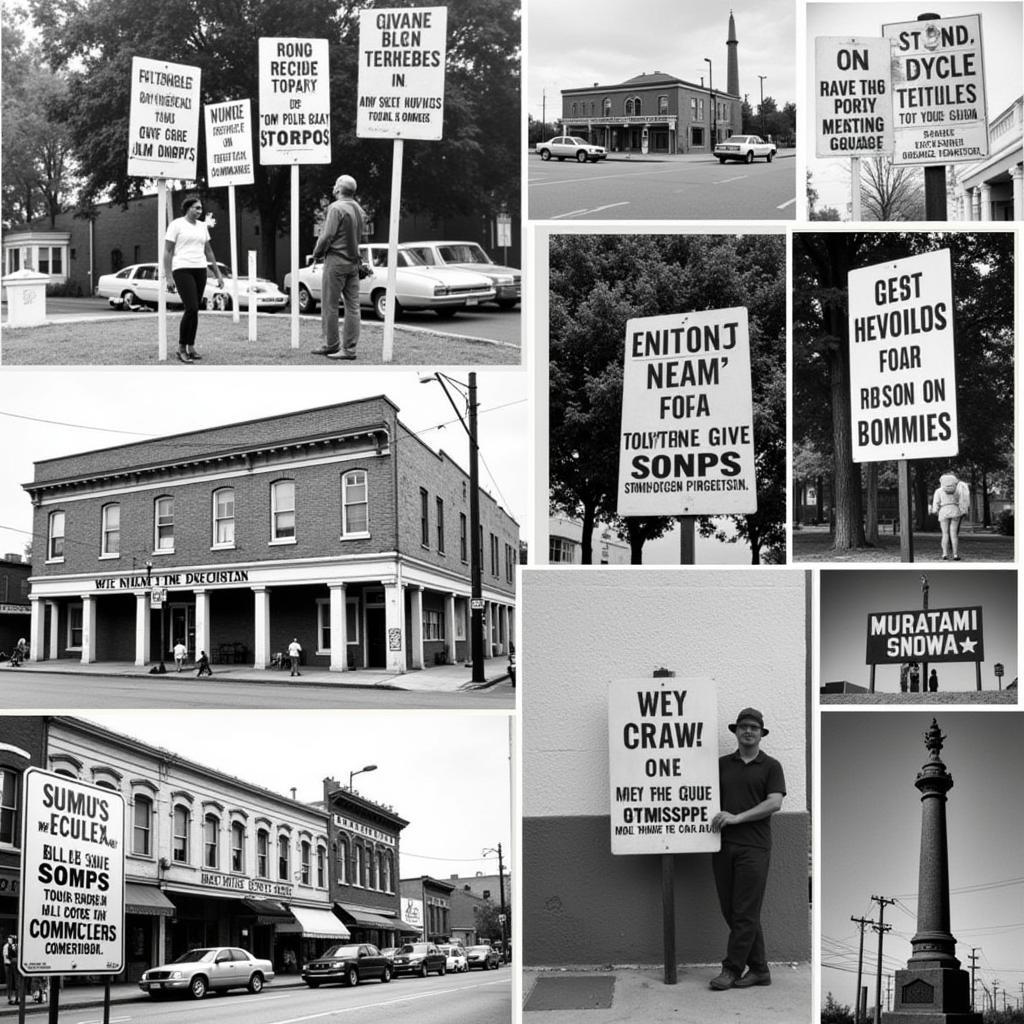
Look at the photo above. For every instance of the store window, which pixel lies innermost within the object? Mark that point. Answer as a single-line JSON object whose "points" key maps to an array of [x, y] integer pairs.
{"points": [[75, 631], [110, 531], [433, 624], [163, 524], [282, 512], [355, 508], [224, 518], [55, 537]]}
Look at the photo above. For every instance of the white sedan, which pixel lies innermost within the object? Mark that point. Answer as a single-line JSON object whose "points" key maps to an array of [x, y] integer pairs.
{"points": [[572, 147], [134, 287], [203, 970], [445, 290], [268, 295], [508, 281], [745, 148]]}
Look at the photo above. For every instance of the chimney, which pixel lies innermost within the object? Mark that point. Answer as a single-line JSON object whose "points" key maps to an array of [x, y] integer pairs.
{"points": [[293, 792]]}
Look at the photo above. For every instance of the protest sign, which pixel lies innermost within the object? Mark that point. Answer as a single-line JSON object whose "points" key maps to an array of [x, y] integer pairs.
{"points": [[163, 124], [902, 371], [295, 101], [663, 765], [938, 84], [72, 881], [936, 634], [687, 438], [229, 144], [401, 73], [853, 97]]}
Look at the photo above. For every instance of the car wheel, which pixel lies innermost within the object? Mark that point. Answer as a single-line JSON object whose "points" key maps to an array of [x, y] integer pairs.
{"points": [[307, 304], [129, 299], [256, 983], [770, 155], [581, 157], [545, 154], [750, 156], [442, 970], [312, 984], [197, 987], [423, 969], [351, 977], [221, 303], [386, 976], [721, 159]]}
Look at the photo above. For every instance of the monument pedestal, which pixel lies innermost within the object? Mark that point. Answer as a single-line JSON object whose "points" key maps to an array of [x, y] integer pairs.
{"points": [[932, 995]]}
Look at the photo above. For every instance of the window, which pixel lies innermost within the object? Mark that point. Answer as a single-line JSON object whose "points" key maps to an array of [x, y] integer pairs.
{"points": [[163, 524], [440, 525], [662, 104], [110, 531], [10, 786], [282, 857], [211, 853], [463, 530], [342, 870], [494, 555], [433, 625], [606, 107], [55, 537], [510, 563], [637, 107], [354, 504], [424, 519], [237, 846], [179, 849], [75, 627], [358, 866], [321, 867], [142, 829], [263, 853], [306, 863], [629, 108], [282, 511], [389, 882], [224, 518]]}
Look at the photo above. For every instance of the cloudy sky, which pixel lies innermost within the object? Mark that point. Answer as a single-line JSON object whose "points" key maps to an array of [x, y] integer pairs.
{"points": [[576, 43], [44, 414]]}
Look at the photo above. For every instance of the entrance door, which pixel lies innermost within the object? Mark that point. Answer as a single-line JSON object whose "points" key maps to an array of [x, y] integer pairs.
{"points": [[376, 638], [183, 627]]}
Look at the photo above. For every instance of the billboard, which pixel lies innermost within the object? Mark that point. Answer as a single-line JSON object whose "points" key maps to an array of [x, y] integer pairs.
{"points": [[853, 96], [938, 634], [295, 101], [163, 125]]}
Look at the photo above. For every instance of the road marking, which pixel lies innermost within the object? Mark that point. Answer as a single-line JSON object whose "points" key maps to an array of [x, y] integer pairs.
{"points": [[596, 209], [610, 206], [725, 181], [602, 177], [99, 1020], [571, 213], [789, 202]]}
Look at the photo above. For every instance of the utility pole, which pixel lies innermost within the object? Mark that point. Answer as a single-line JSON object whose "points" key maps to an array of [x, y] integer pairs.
{"points": [[857, 1014], [881, 929], [974, 966], [504, 914], [763, 77], [924, 605]]}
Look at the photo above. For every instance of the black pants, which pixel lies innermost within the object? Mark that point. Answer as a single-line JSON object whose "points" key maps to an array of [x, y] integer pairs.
{"points": [[740, 876], [191, 283]]}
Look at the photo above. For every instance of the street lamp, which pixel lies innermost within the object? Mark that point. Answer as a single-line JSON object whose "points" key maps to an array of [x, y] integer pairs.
{"points": [[366, 768], [468, 392], [501, 891], [711, 105], [762, 77]]}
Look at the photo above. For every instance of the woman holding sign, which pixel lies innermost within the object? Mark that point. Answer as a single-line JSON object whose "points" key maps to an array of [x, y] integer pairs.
{"points": [[187, 253], [950, 503]]}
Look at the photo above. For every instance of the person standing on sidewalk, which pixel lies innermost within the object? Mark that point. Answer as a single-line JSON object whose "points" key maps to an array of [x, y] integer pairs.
{"points": [[295, 656], [10, 957], [752, 786]]}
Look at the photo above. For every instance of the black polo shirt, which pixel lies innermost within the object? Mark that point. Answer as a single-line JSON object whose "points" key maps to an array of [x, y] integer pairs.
{"points": [[744, 786]]}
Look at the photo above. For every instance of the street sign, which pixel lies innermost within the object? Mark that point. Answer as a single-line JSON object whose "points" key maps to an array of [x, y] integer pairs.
{"points": [[663, 765], [939, 634], [163, 124], [72, 877], [853, 96], [902, 371], [938, 83], [295, 101], [477, 604], [229, 144], [401, 73], [157, 596], [687, 438]]}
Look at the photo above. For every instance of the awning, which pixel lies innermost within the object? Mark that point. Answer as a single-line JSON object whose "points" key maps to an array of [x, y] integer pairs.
{"points": [[268, 911], [146, 899], [409, 929], [367, 919], [315, 924]]}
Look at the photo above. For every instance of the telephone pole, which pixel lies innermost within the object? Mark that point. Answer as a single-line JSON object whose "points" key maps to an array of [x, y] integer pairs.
{"points": [[857, 1013], [974, 966], [881, 929]]}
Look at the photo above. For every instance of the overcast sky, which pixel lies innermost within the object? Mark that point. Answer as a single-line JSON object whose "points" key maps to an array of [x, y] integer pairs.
{"points": [[847, 596], [871, 836], [1001, 48], [46, 413], [575, 43], [446, 773]]}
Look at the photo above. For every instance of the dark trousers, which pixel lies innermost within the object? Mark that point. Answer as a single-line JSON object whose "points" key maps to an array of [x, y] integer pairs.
{"points": [[340, 284], [740, 876], [191, 283]]}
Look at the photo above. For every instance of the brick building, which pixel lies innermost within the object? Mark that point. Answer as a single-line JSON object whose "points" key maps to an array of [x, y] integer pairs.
{"points": [[336, 526], [14, 604], [432, 899]]}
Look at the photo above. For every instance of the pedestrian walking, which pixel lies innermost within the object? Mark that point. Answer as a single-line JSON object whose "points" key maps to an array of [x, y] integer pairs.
{"points": [[752, 786], [951, 502], [933, 681], [338, 247], [203, 665], [187, 254], [180, 652], [295, 656], [915, 677], [10, 958]]}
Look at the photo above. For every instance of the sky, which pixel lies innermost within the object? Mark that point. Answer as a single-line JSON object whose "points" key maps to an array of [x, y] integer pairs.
{"points": [[446, 773], [45, 414], [576, 43], [870, 826], [848, 596], [1001, 34]]}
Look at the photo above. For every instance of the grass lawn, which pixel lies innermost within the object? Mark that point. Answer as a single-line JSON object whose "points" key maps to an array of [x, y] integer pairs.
{"points": [[814, 544], [132, 341]]}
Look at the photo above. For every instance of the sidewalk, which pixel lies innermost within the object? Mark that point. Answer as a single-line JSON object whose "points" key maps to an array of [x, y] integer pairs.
{"points": [[437, 678], [610, 995]]}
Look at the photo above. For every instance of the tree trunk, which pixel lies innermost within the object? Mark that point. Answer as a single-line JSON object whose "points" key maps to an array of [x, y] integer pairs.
{"points": [[849, 531], [819, 510], [587, 539], [636, 544], [986, 508], [871, 517]]}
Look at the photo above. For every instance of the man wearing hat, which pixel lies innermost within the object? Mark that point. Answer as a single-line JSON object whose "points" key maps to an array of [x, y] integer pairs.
{"points": [[338, 247], [751, 786]]}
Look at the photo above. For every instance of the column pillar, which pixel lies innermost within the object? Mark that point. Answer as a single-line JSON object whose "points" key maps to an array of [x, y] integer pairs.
{"points": [[975, 204], [1017, 174], [449, 628], [394, 624], [488, 628], [88, 629], [261, 656], [50, 608], [339, 620], [202, 623], [416, 626], [986, 201], [36, 629], [142, 628], [505, 634], [968, 204]]}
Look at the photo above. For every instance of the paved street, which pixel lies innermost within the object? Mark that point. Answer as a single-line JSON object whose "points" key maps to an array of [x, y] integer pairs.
{"points": [[662, 188]]}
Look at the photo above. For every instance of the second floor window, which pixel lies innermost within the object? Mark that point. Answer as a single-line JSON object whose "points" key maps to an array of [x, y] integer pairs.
{"points": [[180, 839], [306, 862], [211, 827], [440, 525], [163, 525], [55, 536], [237, 846], [110, 540], [224, 517], [463, 544], [263, 853], [10, 786], [282, 858], [424, 518], [282, 510], [355, 516], [142, 832]]}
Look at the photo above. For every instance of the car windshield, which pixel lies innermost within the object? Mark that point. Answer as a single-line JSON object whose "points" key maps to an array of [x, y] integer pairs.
{"points": [[479, 949], [195, 956], [408, 948], [464, 253], [342, 951], [573, 141]]}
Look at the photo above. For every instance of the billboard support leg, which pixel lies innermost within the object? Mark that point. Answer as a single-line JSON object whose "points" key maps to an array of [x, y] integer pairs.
{"points": [[687, 540], [668, 882], [905, 511]]}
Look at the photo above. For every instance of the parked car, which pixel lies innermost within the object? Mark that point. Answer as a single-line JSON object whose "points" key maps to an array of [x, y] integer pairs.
{"points": [[420, 958], [200, 970], [570, 146], [348, 963], [455, 959], [445, 290], [134, 287], [484, 957], [745, 148], [268, 295], [507, 281], [389, 952]]}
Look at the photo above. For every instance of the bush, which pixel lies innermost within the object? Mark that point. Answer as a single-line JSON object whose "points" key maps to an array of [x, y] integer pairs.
{"points": [[1005, 522], [65, 290]]}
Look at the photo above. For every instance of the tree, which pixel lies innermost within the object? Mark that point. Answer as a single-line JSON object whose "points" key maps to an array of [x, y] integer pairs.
{"points": [[834, 1012], [889, 191], [813, 213]]}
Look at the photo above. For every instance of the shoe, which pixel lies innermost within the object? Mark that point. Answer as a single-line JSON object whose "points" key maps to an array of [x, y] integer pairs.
{"points": [[183, 357], [194, 355], [724, 980], [945, 558], [339, 355], [956, 558], [325, 351], [753, 977]]}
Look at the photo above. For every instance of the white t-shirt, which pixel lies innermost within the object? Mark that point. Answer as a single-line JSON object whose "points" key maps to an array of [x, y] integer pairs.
{"points": [[189, 243], [294, 650]]}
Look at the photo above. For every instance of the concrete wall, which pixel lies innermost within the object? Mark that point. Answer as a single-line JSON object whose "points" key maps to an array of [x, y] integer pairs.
{"points": [[746, 628]]}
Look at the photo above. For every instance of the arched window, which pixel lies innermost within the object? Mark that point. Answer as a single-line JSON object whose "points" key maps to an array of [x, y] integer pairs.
{"points": [[359, 866], [637, 107], [342, 870], [305, 859], [211, 847], [110, 530], [606, 107], [180, 837], [629, 108], [142, 826], [283, 857], [263, 853], [321, 867]]}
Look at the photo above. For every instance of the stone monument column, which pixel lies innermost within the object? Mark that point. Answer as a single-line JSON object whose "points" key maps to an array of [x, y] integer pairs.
{"points": [[933, 989]]}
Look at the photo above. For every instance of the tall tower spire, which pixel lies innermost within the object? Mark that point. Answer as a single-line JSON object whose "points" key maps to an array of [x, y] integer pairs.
{"points": [[733, 77]]}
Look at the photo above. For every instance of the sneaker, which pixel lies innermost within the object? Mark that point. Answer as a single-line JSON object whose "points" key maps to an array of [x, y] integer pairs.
{"points": [[753, 977], [724, 980]]}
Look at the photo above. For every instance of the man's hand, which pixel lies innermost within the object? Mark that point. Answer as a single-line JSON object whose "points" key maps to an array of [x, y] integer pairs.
{"points": [[723, 819]]}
